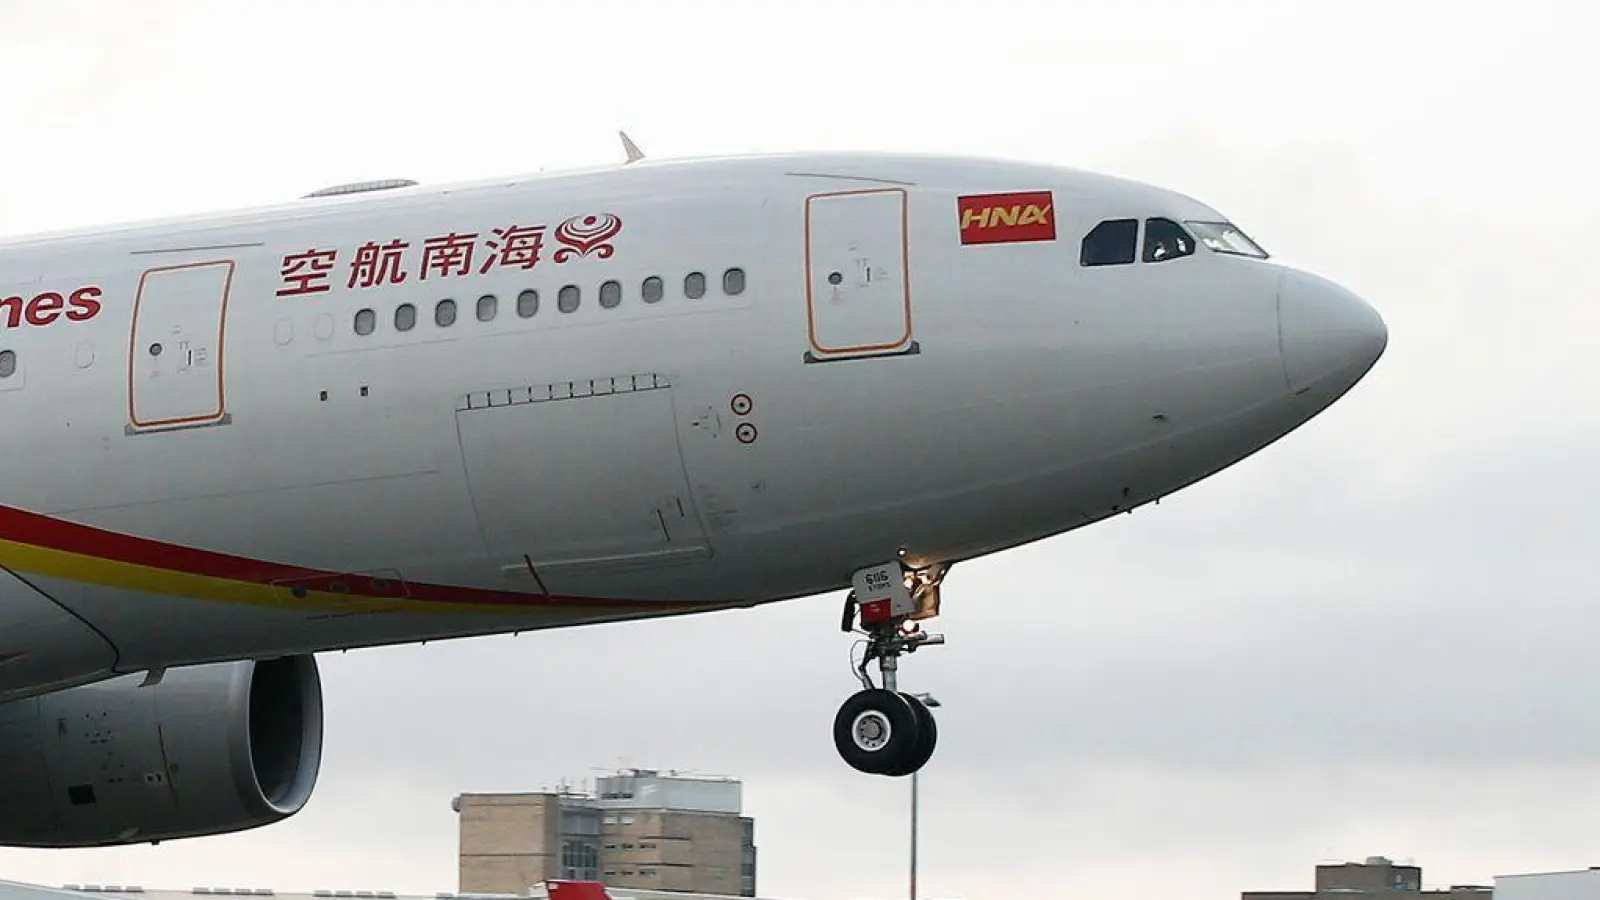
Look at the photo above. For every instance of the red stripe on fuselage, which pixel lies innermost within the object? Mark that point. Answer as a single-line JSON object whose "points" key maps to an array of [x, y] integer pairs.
{"points": [[38, 530]]}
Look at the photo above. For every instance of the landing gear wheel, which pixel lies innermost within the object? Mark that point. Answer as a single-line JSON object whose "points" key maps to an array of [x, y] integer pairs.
{"points": [[880, 730], [927, 739], [876, 731]]}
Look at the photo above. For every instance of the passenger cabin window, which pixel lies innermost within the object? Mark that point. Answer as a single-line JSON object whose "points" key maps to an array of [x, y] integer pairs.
{"points": [[694, 285], [733, 282], [405, 317], [527, 303], [610, 294], [366, 322], [444, 315], [567, 299], [8, 363], [488, 306], [1165, 239], [1114, 242], [651, 290]]}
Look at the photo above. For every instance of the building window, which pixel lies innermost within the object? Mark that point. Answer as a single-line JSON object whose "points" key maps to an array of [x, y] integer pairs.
{"points": [[405, 317], [444, 315], [366, 321], [694, 285], [610, 295], [487, 307], [578, 856], [651, 289], [733, 282]]}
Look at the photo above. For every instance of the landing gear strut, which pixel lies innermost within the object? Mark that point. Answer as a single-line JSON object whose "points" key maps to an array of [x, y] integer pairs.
{"points": [[881, 730]]}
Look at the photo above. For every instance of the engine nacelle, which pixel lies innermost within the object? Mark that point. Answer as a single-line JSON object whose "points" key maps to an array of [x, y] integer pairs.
{"points": [[208, 750]]}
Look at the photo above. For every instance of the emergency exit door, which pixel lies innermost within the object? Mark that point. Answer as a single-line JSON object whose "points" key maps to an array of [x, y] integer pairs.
{"points": [[175, 368], [857, 292]]}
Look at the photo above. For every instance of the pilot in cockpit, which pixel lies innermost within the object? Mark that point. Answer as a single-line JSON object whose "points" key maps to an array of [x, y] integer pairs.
{"points": [[1165, 240]]}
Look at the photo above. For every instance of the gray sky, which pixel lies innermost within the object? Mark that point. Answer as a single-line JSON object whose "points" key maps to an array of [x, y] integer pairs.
{"points": [[1375, 637]]}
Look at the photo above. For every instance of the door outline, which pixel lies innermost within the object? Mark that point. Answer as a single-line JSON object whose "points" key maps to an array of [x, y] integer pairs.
{"points": [[902, 345], [220, 415]]}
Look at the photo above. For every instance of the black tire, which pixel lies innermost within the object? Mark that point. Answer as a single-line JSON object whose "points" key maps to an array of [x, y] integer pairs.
{"points": [[876, 731], [927, 740]]}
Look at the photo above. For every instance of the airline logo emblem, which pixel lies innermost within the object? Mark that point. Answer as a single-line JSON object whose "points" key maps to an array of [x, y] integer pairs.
{"points": [[1007, 218]]}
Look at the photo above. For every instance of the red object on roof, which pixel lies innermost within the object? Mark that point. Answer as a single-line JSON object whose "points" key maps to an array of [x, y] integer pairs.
{"points": [[577, 890]]}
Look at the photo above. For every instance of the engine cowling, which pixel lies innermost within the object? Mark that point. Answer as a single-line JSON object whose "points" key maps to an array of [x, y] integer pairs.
{"points": [[207, 750]]}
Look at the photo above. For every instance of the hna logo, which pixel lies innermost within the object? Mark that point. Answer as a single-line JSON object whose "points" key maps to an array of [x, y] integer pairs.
{"points": [[1017, 214], [1007, 218]]}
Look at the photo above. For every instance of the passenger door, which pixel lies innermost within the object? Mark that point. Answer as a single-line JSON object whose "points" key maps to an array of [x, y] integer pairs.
{"points": [[858, 297], [175, 376]]}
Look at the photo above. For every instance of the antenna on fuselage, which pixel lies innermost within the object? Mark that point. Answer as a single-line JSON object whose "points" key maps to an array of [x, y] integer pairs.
{"points": [[630, 148]]}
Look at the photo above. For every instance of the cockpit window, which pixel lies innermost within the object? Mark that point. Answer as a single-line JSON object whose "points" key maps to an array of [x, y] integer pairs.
{"points": [[1223, 237], [1114, 242], [1165, 239]]}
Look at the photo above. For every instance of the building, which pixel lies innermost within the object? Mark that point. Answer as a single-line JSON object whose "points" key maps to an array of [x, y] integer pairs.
{"points": [[1581, 884], [18, 891], [639, 829], [1378, 878]]}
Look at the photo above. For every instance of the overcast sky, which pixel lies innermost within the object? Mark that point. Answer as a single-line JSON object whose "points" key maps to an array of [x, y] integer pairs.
{"points": [[1376, 637]]}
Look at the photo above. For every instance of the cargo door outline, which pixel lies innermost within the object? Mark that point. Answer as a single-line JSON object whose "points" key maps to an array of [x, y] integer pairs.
{"points": [[572, 478], [871, 259], [180, 312]]}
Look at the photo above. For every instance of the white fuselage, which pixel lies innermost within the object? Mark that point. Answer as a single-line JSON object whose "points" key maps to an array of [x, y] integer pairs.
{"points": [[201, 468]]}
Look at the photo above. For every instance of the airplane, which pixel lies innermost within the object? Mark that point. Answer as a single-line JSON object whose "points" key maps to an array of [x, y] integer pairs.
{"points": [[390, 412]]}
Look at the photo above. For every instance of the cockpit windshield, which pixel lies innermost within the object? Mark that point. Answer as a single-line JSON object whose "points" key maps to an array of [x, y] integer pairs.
{"points": [[1223, 237]]}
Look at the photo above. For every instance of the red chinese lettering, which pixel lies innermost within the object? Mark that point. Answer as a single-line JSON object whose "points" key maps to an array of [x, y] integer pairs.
{"points": [[516, 247], [306, 273], [378, 264], [448, 255]]}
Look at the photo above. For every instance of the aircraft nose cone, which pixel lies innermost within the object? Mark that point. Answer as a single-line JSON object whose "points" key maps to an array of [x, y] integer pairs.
{"points": [[1326, 333]]}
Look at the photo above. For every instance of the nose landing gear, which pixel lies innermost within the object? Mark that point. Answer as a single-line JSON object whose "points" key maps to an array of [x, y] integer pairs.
{"points": [[882, 730]]}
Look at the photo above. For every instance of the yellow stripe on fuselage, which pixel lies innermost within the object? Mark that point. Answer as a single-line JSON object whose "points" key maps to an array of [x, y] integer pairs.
{"points": [[31, 559]]}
